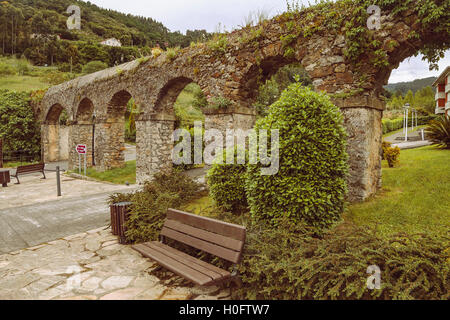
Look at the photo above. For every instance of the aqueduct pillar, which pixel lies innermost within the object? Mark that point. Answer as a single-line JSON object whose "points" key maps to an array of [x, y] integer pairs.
{"points": [[154, 141]]}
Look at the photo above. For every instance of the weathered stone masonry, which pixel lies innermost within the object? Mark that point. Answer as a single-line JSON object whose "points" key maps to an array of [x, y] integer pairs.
{"points": [[155, 84]]}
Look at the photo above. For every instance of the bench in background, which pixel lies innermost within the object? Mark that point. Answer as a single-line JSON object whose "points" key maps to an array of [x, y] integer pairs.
{"points": [[32, 168]]}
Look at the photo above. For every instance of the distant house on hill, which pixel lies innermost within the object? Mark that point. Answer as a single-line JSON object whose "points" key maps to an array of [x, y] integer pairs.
{"points": [[112, 42], [442, 85]]}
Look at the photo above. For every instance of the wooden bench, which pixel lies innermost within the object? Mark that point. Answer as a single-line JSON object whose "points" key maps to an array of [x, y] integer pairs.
{"points": [[221, 239], [32, 168]]}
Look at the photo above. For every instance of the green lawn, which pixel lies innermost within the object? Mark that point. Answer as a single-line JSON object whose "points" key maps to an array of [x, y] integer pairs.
{"points": [[414, 198], [22, 83], [118, 176], [16, 164]]}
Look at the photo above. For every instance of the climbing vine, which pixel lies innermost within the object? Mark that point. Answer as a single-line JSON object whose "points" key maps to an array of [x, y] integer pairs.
{"points": [[349, 17]]}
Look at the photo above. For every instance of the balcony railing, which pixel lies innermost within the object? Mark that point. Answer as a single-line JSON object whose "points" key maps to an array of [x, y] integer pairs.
{"points": [[440, 95], [439, 111]]}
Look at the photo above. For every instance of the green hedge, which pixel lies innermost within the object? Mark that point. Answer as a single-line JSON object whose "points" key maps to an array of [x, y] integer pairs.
{"points": [[289, 263], [397, 124], [18, 127]]}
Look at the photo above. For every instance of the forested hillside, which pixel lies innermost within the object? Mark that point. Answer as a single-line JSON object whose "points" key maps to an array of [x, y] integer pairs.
{"points": [[37, 29], [414, 86]]}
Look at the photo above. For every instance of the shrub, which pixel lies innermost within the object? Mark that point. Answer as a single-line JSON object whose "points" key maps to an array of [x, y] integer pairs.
{"points": [[227, 183], [169, 189], [385, 145], [94, 66], [289, 263], [392, 156], [311, 183], [219, 103], [438, 132], [156, 52], [23, 67], [172, 53], [218, 44], [7, 70], [56, 77]]}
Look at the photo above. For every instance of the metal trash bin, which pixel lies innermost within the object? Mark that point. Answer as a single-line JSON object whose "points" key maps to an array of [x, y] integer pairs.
{"points": [[119, 215]]}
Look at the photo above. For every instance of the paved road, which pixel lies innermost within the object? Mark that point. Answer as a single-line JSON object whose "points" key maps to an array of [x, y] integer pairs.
{"points": [[28, 226]]}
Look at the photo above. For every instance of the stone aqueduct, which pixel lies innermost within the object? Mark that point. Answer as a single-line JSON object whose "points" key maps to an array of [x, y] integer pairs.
{"points": [[155, 84]]}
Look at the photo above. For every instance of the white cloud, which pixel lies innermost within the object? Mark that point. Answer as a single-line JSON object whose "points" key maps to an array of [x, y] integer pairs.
{"points": [[415, 68], [180, 15]]}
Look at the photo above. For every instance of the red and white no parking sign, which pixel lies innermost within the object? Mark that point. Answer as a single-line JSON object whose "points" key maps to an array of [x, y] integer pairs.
{"points": [[81, 148], [82, 151]]}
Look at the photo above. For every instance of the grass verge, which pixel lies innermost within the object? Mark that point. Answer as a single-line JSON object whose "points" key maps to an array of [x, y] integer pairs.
{"points": [[414, 197], [117, 176]]}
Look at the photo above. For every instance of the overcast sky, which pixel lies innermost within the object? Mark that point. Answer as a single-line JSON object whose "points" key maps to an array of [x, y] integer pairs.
{"points": [[180, 15]]}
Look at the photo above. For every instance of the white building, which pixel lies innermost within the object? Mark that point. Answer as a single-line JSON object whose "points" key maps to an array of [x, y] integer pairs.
{"points": [[112, 42]]}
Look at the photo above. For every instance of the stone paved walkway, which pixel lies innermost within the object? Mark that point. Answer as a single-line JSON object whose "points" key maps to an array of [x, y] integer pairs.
{"points": [[91, 266]]}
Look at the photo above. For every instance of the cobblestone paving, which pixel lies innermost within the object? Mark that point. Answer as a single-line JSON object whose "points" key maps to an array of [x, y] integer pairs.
{"points": [[91, 266]]}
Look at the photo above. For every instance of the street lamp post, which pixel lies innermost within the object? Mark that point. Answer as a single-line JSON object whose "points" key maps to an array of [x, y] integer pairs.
{"points": [[406, 122]]}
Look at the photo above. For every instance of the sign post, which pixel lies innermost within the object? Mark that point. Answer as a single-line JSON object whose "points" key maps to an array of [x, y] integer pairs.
{"points": [[81, 150]]}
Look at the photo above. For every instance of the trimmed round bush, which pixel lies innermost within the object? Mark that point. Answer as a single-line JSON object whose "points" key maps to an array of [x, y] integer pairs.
{"points": [[310, 185], [227, 183]]}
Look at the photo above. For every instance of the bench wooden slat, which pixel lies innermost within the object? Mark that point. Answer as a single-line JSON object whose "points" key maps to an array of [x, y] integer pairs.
{"points": [[192, 263], [222, 272], [215, 238], [209, 247], [173, 265], [31, 167], [234, 231]]}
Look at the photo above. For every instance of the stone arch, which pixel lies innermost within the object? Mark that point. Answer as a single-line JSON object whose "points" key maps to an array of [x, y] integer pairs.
{"points": [[53, 114], [85, 111], [154, 138], [109, 140], [168, 95], [118, 103], [55, 137], [260, 72], [83, 133]]}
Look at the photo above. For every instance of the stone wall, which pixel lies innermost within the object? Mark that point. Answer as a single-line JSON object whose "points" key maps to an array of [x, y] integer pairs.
{"points": [[55, 142], [154, 141], [81, 134], [110, 145]]}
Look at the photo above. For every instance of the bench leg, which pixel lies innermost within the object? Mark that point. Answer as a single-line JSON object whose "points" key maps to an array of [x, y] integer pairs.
{"points": [[44, 175], [235, 280], [18, 182]]}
